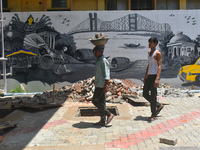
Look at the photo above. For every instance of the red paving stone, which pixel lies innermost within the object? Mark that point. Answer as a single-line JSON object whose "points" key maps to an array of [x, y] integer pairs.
{"points": [[152, 131], [54, 123], [29, 129]]}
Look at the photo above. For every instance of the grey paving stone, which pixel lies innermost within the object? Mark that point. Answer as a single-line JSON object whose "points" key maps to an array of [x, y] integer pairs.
{"points": [[168, 140]]}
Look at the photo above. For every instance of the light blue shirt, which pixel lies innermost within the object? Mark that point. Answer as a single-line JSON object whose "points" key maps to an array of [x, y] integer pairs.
{"points": [[102, 72]]}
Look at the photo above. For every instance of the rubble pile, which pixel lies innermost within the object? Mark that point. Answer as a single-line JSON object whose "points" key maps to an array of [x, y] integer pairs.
{"points": [[118, 91], [169, 91], [83, 90]]}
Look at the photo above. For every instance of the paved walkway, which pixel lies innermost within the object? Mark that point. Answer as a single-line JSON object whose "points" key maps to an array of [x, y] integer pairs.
{"points": [[60, 129]]}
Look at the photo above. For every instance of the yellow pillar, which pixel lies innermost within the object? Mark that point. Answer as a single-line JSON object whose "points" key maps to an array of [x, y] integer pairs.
{"points": [[45, 5], [155, 4], [129, 4], [72, 5], [100, 4], [196, 4], [182, 4]]}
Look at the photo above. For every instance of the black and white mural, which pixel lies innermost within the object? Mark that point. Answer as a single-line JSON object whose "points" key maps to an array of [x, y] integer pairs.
{"points": [[54, 47]]}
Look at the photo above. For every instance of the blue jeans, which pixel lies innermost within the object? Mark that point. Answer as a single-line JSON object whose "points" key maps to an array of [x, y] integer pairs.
{"points": [[150, 93]]}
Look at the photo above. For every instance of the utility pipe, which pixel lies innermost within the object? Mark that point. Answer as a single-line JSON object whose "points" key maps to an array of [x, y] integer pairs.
{"points": [[3, 58], [12, 94]]}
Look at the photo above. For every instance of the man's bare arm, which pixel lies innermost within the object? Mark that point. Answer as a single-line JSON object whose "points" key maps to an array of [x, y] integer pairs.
{"points": [[106, 86], [159, 61]]}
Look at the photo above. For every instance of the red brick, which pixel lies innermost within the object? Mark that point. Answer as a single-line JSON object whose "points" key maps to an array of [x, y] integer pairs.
{"points": [[119, 93], [138, 135], [149, 129], [109, 144], [160, 125], [167, 125], [163, 130], [158, 131], [123, 139], [124, 145], [152, 134], [131, 138], [116, 141], [155, 127]]}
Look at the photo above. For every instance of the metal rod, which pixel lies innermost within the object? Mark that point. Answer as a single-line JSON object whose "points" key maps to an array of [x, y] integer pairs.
{"points": [[53, 92], [2, 41]]}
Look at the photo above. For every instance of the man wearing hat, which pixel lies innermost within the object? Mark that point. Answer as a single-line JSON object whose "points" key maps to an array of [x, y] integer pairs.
{"points": [[102, 77]]}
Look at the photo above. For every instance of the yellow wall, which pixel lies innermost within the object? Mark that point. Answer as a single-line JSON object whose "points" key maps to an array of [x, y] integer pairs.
{"points": [[32, 5], [79, 5], [14, 6], [101, 5], [49, 5], [182, 4]]}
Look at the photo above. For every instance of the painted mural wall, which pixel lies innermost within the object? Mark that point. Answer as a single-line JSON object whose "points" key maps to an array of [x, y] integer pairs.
{"points": [[46, 48]]}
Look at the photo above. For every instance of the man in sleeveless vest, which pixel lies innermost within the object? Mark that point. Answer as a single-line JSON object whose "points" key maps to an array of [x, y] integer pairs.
{"points": [[151, 78]]}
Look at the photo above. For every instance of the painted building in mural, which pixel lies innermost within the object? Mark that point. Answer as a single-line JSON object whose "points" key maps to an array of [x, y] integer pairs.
{"points": [[181, 45], [53, 47]]}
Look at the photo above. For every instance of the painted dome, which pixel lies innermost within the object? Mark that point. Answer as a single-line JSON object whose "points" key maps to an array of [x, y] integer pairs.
{"points": [[13, 34], [180, 37]]}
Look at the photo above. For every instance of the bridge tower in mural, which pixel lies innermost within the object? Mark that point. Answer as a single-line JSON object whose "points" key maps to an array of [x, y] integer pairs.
{"points": [[128, 23]]}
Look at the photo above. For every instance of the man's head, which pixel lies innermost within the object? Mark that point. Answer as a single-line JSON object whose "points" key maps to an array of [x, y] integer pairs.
{"points": [[153, 41], [98, 50]]}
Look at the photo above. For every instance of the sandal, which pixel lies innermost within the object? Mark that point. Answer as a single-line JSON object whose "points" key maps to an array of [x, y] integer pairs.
{"points": [[152, 118], [109, 119], [159, 109]]}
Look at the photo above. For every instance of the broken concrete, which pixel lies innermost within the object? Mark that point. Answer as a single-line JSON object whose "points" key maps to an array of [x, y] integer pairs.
{"points": [[168, 140], [119, 90]]}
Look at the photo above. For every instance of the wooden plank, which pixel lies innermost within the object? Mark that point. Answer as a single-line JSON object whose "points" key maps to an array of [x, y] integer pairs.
{"points": [[143, 101], [36, 105], [7, 124], [140, 100]]}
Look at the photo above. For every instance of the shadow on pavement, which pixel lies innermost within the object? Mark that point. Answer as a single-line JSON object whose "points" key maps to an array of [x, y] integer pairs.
{"points": [[29, 123], [191, 84], [141, 118], [84, 125]]}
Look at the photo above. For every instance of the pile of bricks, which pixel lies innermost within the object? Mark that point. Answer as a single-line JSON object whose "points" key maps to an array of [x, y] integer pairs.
{"points": [[82, 91]]}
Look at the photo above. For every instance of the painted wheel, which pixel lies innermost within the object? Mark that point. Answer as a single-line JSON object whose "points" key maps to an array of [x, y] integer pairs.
{"points": [[197, 79], [46, 62]]}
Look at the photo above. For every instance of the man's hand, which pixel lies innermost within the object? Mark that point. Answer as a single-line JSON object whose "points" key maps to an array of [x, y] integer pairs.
{"points": [[107, 82], [106, 89], [144, 79], [156, 83]]}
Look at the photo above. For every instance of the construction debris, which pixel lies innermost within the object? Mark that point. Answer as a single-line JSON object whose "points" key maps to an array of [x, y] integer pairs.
{"points": [[119, 90], [168, 140], [6, 125], [36, 105]]}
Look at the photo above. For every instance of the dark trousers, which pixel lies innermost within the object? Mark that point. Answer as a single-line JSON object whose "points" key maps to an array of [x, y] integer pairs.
{"points": [[99, 100], [150, 93]]}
